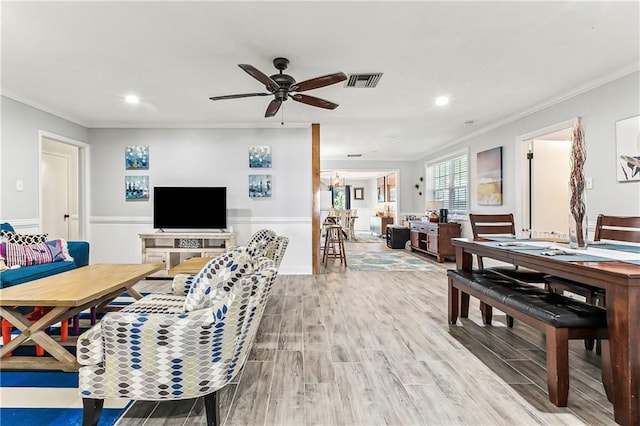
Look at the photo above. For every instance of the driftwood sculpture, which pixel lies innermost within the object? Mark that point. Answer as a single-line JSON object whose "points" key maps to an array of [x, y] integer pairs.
{"points": [[577, 205]]}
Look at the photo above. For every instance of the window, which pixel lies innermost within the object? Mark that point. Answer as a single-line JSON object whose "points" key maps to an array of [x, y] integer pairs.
{"points": [[449, 180], [341, 197]]}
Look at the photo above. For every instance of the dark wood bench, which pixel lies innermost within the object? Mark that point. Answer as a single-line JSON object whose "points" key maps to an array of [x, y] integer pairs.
{"points": [[559, 317]]}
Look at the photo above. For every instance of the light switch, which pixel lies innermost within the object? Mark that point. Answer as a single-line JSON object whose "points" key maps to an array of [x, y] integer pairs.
{"points": [[589, 182], [19, 185]]}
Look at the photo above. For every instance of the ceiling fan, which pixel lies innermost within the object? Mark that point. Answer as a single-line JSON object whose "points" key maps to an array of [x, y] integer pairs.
{"points": [[282, 86]]}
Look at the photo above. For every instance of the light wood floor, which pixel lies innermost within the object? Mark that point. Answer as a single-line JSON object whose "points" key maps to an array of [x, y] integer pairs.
{"points": [[374, 348]]}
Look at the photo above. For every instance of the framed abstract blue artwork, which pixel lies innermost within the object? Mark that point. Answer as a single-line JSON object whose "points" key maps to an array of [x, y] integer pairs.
{"points": [[260, 156], [136, 157], [136, 188], [259, 186]]}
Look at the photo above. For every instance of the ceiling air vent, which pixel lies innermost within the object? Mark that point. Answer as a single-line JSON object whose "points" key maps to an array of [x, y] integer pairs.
{"points": [[363, 80]]}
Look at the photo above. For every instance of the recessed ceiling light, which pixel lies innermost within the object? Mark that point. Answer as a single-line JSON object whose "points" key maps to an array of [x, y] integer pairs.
{"points": [[442, 100], [132, 99]]}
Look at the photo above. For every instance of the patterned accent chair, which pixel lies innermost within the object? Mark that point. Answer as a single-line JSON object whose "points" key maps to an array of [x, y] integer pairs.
{"points": [[167, 346], [260, 244], [277, 248]]}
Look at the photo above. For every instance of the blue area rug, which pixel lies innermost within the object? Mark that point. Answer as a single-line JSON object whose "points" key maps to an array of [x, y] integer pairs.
{"points": [[387, 261], [54, 416], [46, 398], [50, 398]]}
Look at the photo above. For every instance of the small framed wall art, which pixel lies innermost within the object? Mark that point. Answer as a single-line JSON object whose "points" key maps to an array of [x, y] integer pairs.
{"points": [[260, 156], [259, 186], [136, 188], [136, 157], [358, 193]]}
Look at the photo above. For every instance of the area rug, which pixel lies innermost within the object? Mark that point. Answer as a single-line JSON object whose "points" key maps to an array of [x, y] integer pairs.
{"points": [[387, 261], [48, 398], [366, 237], [51, 397]]}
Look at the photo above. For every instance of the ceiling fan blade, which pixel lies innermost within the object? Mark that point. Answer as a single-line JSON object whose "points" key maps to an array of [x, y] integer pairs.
{"points": [[260, 76], [313, 101], [244, 95], [273, 108], [314, 83]]}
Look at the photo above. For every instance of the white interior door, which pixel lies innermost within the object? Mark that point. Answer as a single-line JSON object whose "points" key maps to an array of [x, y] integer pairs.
{"points": [[55, 195], [550, 185]]}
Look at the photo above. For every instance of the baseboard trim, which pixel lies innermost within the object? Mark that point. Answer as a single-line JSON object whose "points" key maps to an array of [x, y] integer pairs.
{"points": [[148, 220]]}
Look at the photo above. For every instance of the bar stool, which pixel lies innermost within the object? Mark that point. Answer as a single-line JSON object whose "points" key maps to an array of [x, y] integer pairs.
{"points": [[334, 244]]}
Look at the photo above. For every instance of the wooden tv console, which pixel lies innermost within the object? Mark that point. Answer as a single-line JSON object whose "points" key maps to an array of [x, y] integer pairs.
{"points": [[171, 248]]}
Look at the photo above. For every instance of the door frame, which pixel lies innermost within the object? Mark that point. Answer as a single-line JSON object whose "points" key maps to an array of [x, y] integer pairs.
{"points": [[522, 178], [83, 180]]}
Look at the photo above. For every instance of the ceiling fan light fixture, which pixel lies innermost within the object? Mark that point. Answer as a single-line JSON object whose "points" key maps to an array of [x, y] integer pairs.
{"points": [[282, 87]]}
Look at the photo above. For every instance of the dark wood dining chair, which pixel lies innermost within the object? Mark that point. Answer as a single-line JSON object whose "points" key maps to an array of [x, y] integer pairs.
{"points": [[618, 228], [613, 228], [496, 225], [502, 225]]}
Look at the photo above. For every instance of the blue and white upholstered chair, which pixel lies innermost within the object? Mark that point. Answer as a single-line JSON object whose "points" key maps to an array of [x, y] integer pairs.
{"points": [[260, 244], [168, 347]]}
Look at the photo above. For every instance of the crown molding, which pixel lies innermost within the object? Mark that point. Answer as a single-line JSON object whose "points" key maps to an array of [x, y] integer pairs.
{"points": [[44, 108], [593, 84]]}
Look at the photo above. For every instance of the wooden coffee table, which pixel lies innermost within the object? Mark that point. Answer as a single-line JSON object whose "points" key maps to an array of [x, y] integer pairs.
{"points": [[68, 294], [190, 266]]}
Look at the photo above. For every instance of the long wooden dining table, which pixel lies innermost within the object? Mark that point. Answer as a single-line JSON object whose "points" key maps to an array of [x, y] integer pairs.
{"points": [[616, 272]]}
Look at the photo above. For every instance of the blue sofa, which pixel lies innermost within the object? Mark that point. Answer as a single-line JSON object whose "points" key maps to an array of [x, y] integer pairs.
{"points": [[79, 250]]}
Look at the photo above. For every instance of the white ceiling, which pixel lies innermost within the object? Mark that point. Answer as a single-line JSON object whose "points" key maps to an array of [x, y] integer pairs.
{"points": [[496, 60]]}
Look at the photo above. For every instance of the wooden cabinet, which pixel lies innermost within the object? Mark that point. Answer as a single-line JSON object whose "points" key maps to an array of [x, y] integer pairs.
{"points": [[378, 225], [434, 238], [172, 248]]}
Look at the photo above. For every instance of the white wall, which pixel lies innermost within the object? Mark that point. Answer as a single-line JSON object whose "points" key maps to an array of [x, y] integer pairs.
{"points": [[203, 157], [19, 156], [209, 156], [52, 147], [365, 206], [178, 157], [599, 108]]}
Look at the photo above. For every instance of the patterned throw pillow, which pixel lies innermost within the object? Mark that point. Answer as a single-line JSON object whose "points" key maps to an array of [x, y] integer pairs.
{"points": [[22, 239], [35, 254], [217, 278]]}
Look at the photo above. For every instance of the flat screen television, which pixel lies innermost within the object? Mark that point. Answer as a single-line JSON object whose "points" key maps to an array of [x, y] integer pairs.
{"points": [[189, 207]]}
